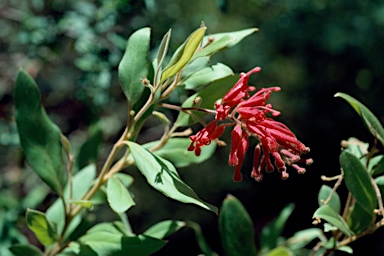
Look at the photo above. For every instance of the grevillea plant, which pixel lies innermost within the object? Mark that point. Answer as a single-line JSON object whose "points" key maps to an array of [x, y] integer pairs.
{"points": [[231, 103]]}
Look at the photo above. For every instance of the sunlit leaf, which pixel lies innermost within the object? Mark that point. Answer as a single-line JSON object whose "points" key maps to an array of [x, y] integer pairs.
{"points": [[237, 35], [346, 249], [176, 151], [327, 213], [206, 76], [236, 229], [162, 176], [334, 202], [164, 228], [369, 119], [358, 181], [39, 136], [280, 251], [272, 231], [214, 47], [119, 198], [184, 54], [38, 223], [134, 64]]}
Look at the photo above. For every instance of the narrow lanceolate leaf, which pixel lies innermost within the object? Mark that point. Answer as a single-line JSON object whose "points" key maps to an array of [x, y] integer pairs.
{"points": [[369, 119], [39, 136], [358, 181], [206, 76], [237, 35], [272, 231], [209, 96], [184, 54], [327, 213], [118, 196], [38, 223], [25, 249], [134, 64], [163, 49], [236, 229], [214, 47], [176, 151], [334, 202], [162, 176], [164, 228], [303, 237]]}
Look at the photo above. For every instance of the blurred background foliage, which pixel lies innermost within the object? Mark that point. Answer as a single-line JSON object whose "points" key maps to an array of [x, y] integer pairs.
{"points": [[312, 49]]}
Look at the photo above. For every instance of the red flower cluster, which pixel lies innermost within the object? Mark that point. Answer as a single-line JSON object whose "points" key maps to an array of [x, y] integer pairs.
{"points": [[248, 115]]}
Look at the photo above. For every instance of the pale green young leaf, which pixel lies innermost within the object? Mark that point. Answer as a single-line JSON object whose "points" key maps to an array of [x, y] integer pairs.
{"points": [[184, 54], [164, 228], [206, 76], [86, 203], [39, 136], [38, 223], [334, 202], [237, 35], [272, 231], [176, 151], [236, 229], [119, 198], [134, 64], [303, 237], [214, 47], [358, 181], [327, 213], [369, 119], [280, 251], [162, 176]]}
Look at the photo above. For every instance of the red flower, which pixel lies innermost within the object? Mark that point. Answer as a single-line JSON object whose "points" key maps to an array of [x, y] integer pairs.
{"points": [[249, 115]]}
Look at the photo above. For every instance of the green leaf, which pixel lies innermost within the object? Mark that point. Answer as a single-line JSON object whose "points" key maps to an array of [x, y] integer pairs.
{"points": [[359, 219], [25, 249], [162, 176], [110, 244], [301, 238], [209, 96], [280, 251], [369, 119], [327, 213], [206, 76], [85, 203], [376, 165], [176, 151], [272, 231], [134, 64], [81, 182], [38, 223], [162, 53], [164, 228], [334, 202], [89, 150], [346, 249], [237, 35], [358, 181], [184, 54], [358, 149], [119, 198], [126, 179], [195, 66], [39, 136], [236, 228], [214, 47], [200, 238]]}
